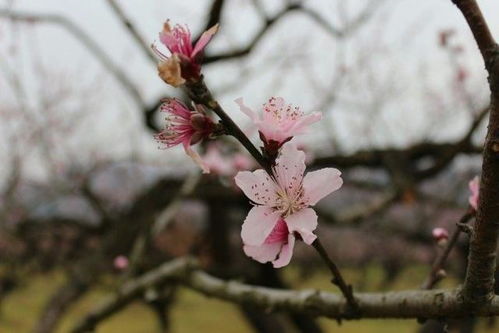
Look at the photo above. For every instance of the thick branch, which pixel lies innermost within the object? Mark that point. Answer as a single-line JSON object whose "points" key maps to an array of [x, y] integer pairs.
{"points": [[404, 304], [479, 282], [478, 26]]}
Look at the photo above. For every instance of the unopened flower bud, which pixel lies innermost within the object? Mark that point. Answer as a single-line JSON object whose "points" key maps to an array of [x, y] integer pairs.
{"points": [[441, 274], [440, 235]]}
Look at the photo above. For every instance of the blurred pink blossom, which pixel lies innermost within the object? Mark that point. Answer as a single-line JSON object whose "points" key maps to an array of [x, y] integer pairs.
{"points": [[226, 164], [282, 205], [243, 162], [120, 262], [474, 186], [185, 127], [217, 162]]}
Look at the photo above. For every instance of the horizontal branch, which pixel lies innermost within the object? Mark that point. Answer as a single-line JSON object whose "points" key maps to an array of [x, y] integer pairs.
{"points": [[402, 304]]}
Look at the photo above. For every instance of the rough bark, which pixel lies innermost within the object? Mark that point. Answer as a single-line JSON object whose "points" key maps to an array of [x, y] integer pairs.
{"points": [[478, 288]]}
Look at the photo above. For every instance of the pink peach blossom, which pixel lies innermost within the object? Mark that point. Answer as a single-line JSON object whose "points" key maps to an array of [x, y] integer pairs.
{"points": [[282, 205], [185, 127], [280, 121], [474, 186], [217, 162], [184, 61]]}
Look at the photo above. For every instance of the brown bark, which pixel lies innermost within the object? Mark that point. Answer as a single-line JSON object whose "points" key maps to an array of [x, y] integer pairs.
{"points": [[478, 286]]}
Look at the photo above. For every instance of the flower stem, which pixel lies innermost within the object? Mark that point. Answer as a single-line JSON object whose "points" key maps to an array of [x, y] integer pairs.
{"points": [[338, 279], [434, 276], [200, 94]]}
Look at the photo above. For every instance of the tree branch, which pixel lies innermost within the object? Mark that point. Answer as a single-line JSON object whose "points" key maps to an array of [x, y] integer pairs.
{"points": [[434, 277], [85, 39], [478, 288], [338, 280], [404, 304], [478, 26], [144, 46]]}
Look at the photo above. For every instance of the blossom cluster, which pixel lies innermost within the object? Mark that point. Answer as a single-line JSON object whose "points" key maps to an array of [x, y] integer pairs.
{"points": [[282, 192]]}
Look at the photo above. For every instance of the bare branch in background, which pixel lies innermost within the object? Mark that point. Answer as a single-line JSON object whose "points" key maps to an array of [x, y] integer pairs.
{"points": [[132, 30], [402, 304], [86, 40]]}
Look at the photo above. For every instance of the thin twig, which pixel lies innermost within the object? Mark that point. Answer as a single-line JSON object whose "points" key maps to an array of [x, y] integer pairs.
{"points": [[90, 45], [338, 279], [145, 47], [435, 274]]}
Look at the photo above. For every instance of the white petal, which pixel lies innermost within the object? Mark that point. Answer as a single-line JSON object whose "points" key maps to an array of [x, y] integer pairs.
{"points": [[318, 184], [263, 253], [258, 186], [303, 222], [250, 113], [289, 168]]}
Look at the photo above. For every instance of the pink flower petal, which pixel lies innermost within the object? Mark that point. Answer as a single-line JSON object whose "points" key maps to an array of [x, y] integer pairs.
{"points": [[301, 124], [318, 184], [286, 253], [279, 234], [195, 157], [257, 186], [204, 40], [258, 225], [289, 168], [263, 253], [474, 186], [246, 110], [303, 222]]}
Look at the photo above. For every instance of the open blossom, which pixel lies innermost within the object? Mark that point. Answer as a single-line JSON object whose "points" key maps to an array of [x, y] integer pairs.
{"points": [[279, 121], [474, 186], [184, 62], [282, 205], [185, 127]]}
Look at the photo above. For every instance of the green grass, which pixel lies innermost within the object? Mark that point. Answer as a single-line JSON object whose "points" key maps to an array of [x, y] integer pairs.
{"points": [[195, 313]]}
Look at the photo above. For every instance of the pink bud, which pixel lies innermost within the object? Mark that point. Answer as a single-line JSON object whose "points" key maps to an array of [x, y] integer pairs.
{"points": [[120, 262], [440, 234]]}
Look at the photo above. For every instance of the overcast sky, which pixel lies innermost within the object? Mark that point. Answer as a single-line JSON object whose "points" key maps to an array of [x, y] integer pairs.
{"points": [[297, 60]]}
